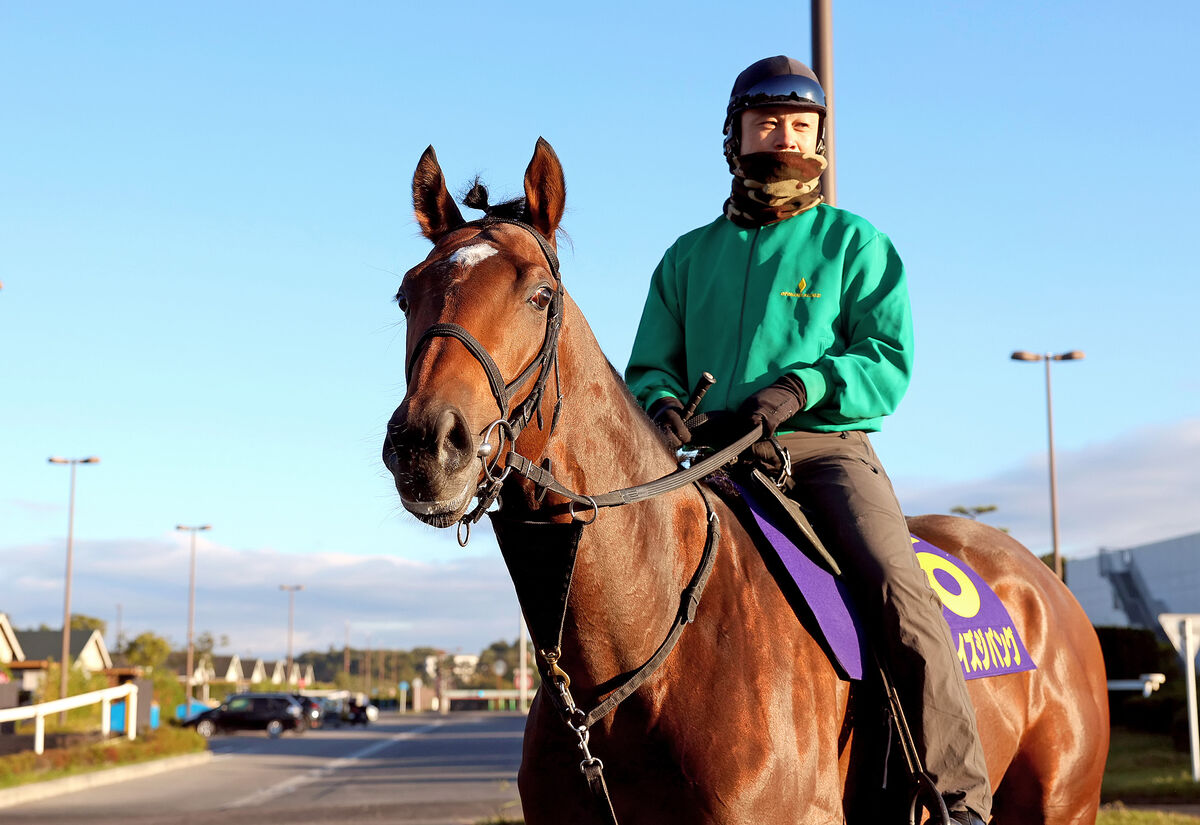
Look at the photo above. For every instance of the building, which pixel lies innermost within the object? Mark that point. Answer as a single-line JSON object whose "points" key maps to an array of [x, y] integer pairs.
{"points": [[257, 673], [88, 651], [10, 646], [225, 668], [1130, 587]]}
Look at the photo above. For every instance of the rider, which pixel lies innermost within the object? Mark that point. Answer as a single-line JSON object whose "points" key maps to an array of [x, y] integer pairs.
{"points": [[801, 311]]}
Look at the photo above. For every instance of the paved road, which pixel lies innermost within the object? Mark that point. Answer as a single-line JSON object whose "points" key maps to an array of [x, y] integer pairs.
{"points": [[408, 770]]}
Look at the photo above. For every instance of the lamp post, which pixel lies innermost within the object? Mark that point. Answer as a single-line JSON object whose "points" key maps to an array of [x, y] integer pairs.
{"points": [[191, 607], [291, 591], [66, 631], [1073, 355]]}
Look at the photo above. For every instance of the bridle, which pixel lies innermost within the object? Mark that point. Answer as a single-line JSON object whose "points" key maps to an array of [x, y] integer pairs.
{"points": [[508, 424], [548, 573], [543, 362]]}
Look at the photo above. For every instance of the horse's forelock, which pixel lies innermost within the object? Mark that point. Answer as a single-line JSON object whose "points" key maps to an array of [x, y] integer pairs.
{"points": [[476, 197]]}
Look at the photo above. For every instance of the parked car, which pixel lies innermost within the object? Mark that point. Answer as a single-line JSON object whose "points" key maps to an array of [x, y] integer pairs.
{"points": [[332, 711], [272, 712], [358, 712], [314, 710]]}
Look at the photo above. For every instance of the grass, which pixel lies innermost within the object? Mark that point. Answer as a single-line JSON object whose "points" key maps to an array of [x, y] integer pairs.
{"points": [[1145, 768], [1117, 814], [23, 768]]}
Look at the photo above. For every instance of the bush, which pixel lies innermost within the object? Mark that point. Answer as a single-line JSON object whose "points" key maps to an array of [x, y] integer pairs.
{"points": [[1130, 652]]}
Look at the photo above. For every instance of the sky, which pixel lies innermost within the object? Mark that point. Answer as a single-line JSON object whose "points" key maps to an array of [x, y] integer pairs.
{"points": [[205, 211]]}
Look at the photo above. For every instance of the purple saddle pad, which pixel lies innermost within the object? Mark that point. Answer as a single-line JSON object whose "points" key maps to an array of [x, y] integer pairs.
{"points": [[985, 638]]}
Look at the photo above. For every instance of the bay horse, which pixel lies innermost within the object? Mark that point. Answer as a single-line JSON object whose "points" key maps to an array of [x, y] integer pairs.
{"points": [[746, 721]]}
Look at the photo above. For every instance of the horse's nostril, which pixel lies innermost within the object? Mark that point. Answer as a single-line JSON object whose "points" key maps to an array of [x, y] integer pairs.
{"points": [[453, 440]]}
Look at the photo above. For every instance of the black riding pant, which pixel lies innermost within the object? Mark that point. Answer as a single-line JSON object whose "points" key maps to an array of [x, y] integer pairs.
{"points": [[838, 479]]}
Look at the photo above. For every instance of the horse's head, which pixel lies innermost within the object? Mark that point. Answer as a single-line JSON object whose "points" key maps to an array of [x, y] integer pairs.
{"points": [[487, 292]]}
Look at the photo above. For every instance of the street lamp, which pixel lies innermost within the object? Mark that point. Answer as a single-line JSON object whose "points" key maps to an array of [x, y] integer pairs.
{"points": [[66, 632], [291, 591], [1073, 355], [191, 606]]}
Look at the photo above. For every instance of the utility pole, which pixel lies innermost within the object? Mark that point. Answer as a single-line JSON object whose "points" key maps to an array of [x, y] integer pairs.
{"points": [[290, 589], [822, 52], [367, 668]]}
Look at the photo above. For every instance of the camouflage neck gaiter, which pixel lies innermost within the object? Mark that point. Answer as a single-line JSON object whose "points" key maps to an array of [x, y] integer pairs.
{"points": [[769, 187]]}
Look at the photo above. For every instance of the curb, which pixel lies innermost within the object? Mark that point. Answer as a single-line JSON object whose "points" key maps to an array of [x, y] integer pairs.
{"points": [[105, 776]]}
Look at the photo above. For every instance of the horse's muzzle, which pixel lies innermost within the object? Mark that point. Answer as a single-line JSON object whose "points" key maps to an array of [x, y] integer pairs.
{"points": [[431, 455]]}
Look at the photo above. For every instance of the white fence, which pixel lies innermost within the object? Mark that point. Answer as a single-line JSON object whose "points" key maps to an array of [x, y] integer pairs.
{"points": [[105, 697], [1147, 683]]}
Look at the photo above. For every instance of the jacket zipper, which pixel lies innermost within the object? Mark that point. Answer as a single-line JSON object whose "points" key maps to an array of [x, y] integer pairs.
{"points": [[737, 360]]}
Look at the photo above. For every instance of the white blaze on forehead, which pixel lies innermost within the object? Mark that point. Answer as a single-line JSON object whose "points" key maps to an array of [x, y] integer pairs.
{"points": [[468, 256]]}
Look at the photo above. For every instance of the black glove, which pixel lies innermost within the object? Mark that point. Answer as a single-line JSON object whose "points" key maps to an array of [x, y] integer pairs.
{"points": [[773, 405], [665, 414]]}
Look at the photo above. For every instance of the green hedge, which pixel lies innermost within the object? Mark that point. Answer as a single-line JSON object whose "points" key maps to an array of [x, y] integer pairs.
{"points": [[1130, 652], [21, 768]]}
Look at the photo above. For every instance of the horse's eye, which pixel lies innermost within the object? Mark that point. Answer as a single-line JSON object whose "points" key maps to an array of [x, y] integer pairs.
{"points": [[541, 298], [402, 301]]}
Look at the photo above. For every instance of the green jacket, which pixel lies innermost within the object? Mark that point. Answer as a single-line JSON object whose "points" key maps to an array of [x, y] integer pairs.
{"points": [[821, 295]]}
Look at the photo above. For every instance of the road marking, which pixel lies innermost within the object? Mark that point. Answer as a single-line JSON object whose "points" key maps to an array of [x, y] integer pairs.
{"points": [[291, 784]]}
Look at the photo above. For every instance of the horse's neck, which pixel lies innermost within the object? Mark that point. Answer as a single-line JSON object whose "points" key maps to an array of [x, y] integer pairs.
{"points": [[605, 441], [635, 559]]}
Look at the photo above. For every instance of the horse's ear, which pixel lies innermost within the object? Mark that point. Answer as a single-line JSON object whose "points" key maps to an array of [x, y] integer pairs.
{"points": [[437, 213], [545, 190]]}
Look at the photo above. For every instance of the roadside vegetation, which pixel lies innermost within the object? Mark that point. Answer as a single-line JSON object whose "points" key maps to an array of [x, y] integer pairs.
{"points": [[21, 768], [1117, 814], [1147, 768]]}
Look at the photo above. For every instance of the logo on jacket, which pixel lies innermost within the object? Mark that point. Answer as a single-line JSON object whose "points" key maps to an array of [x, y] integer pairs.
{"points": [[800, 293]]}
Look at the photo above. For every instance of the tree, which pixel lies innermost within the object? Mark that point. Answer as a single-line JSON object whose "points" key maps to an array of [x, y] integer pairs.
{"points": [[79, 621], [205, 642], [973, 513], [148, 650]]}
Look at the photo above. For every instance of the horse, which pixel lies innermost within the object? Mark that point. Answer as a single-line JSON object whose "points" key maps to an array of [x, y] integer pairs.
{"points": [[746, 721]]}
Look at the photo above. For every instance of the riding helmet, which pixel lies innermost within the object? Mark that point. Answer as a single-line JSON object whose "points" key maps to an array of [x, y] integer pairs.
{"points": [[773, 81]]}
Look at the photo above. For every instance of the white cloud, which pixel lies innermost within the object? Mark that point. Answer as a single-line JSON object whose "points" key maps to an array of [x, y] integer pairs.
{"points": [[1139, 487], [466, 602]]}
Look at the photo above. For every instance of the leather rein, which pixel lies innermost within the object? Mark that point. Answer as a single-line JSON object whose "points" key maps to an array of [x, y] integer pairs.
{"points": [[553, 571]]}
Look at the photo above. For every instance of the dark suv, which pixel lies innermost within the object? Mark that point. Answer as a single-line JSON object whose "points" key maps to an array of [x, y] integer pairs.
{"points": [[272, 712]]}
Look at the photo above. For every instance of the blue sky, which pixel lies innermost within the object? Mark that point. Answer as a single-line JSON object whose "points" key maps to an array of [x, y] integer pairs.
{"points": [[204, 211]]}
